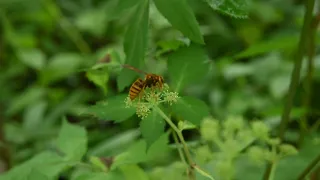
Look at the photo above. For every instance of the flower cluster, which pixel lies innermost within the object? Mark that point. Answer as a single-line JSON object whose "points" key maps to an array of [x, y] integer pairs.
{"points": [[233, 137], [151, 98]]}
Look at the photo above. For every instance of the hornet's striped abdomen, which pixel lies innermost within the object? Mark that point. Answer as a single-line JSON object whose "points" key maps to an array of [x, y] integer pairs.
{"points": [[136, 88]]}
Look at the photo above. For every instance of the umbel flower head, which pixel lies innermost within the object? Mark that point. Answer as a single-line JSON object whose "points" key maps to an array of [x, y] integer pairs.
{"points": [[150, 98]]}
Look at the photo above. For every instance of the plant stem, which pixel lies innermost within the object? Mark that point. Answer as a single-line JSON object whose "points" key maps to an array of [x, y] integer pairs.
{"points": [[184, 144], [175, 138], [309, 4], [272, 171], [297, 66], [308, 85], [309, 168]]}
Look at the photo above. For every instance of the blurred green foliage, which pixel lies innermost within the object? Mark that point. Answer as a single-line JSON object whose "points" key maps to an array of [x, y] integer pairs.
{"points": [[62, 100]]}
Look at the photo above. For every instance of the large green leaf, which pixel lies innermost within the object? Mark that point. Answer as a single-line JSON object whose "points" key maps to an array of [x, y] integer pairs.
{"points": [[187, 65], [180, 15], [135, 43], [135, 154], [133, 172], [234, 8], [48, 163], [191, 109], [72, 141], [113, 108], [152, 127]]}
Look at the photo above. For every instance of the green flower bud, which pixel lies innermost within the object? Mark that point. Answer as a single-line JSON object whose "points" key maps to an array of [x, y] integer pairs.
{"points": [[260, 130], [225, 169], [171, 97], [256, 154], [287, 150], [209, 129], [204, 154], [142, 111]]}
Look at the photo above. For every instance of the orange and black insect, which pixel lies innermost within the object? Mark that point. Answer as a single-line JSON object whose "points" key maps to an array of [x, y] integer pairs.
{"points": [[151, 81]]}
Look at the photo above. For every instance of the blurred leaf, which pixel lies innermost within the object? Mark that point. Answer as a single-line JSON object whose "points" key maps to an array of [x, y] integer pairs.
{"points": [[152, 127], [48, 163], [182, 62], [277, 43], [234, 8], [72, 141], [279, 86], [34, 116], [135, 154], [99, 77], [135, 43], [191, 109], [116, 8], [96, 162], [33, 58], [160, 147], [133, 172], [181, 16], [236, 70], [167, 46], [100, 176], [113, 109], [36, 175], [118, 141], [30, 95], [61, 66], [92, 21], [291, 167]]}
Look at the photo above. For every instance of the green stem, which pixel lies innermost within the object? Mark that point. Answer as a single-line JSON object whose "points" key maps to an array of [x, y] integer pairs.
{"points": [[297, 66], [309, 168], [184, 144], [308, 85], [294, 76], [175, 138], [272, 171]]}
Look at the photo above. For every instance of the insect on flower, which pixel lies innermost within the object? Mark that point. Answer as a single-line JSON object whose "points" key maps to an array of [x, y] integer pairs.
{"points": [[152, 81]]}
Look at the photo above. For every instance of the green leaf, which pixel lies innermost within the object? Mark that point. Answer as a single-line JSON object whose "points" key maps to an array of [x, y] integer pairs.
{"points": [[100, 176], [34, 116], [191, 109], [72, 141], [152, 127], [33, 58], [135, 43], [99, 77], [115, 8], [182, 62], [160, 147], [233, 8], [135, 154], [48, 163], [133, 172], [96, 162], [180, 15], [61, 66], [92, 21], [276, 43], [113, 108], [27, 97], [36, 175]]}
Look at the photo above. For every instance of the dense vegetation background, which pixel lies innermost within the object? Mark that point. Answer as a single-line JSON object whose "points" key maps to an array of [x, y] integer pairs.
{"points": [[62, 90]]}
